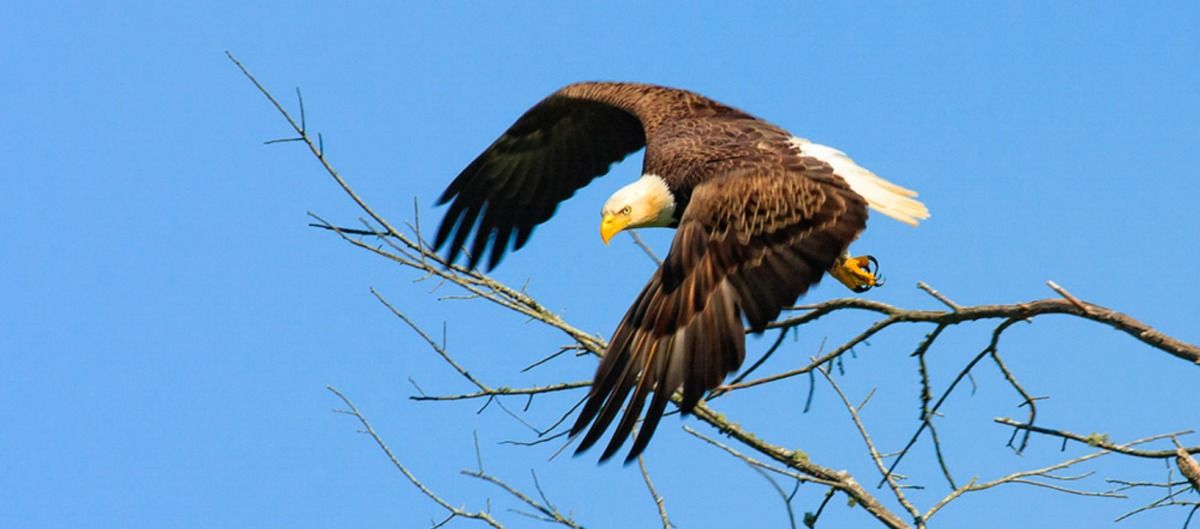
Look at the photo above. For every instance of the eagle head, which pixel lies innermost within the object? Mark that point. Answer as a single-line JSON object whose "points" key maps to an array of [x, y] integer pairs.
{"points": [[648, 202]]}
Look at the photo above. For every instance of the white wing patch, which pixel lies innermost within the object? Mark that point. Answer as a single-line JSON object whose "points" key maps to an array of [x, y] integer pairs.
{"points": [[883, 196]]}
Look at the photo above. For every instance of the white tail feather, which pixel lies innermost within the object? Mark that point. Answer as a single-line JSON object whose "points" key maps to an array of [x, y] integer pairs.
{"points": [[883, 196]]}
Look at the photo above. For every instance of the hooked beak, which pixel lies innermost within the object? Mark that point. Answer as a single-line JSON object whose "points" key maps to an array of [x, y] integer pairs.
{"points": [[611, 225]]}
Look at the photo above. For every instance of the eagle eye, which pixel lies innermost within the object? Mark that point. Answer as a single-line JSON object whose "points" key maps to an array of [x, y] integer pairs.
{"points": [[626, 210]]}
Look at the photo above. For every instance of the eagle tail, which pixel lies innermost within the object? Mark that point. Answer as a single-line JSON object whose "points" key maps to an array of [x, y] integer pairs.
{"points": [[883, 196]]}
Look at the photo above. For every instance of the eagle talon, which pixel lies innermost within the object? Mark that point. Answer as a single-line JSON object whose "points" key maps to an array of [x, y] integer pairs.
{"points": [[859, 274], [874, 270]]}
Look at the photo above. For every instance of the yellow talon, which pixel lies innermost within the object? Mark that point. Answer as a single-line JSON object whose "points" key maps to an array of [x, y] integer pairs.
{"points": [[856, 273]]}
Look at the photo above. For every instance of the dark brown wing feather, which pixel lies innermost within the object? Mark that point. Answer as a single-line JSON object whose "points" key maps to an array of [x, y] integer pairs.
{"points": [[748, 245], [555, 148]]}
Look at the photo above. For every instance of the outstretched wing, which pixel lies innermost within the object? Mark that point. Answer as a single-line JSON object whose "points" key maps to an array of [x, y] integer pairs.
{"points": [[555, 148], [748, 245]]}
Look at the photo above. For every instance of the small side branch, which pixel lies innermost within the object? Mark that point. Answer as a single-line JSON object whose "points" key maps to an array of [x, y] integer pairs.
{"points": [[302, 130], [966, 370], [645, 247], [659, 502], [545, 512], [887, 475], [938, 296], [799, 461], [1100, 440], [1023, 477], [369, 430], [502, 391]]}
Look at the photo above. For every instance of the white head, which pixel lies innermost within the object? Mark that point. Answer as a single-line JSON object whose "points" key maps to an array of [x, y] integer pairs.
{"points": [[647, 202]]}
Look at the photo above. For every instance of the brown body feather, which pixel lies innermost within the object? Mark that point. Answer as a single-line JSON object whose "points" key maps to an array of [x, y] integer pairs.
{"points": [[758, 224]]}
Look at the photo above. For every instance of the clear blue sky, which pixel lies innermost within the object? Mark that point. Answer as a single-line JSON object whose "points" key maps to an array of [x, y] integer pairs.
{"points": [[168, 322]]}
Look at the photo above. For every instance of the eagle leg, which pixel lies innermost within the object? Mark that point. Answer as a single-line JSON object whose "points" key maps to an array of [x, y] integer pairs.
{"points": [[859, 274]]}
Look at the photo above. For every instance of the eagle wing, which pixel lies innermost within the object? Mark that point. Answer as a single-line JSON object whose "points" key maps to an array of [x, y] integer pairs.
{"points": [[555, 148], [749, 243]]}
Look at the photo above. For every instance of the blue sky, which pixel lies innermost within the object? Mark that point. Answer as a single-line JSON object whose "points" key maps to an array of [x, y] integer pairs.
{"points": [[169, 322]]}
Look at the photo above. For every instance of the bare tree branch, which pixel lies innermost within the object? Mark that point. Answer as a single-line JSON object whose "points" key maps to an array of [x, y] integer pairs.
{"points": [[1019, 311]]}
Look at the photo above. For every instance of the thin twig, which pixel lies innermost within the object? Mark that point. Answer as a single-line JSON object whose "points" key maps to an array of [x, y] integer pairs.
{"points": [[810, 519], [1067, 295], [875, 457], [455, 511], [659, 502], [548, 512], [938, 296], [999, 330], [1027, 399], [489, 392], [1099, 440], [645, 248], [755, 462], [1022, 477]]}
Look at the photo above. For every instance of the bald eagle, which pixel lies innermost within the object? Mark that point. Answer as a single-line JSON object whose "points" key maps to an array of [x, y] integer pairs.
{"points": [[759, 216]]}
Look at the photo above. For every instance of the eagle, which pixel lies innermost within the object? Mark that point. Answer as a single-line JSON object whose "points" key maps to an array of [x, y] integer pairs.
{"points": [[759, 216]]}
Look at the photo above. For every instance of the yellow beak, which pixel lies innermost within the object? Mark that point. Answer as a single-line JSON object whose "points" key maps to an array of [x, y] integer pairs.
{"points": [[611, 225]]}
